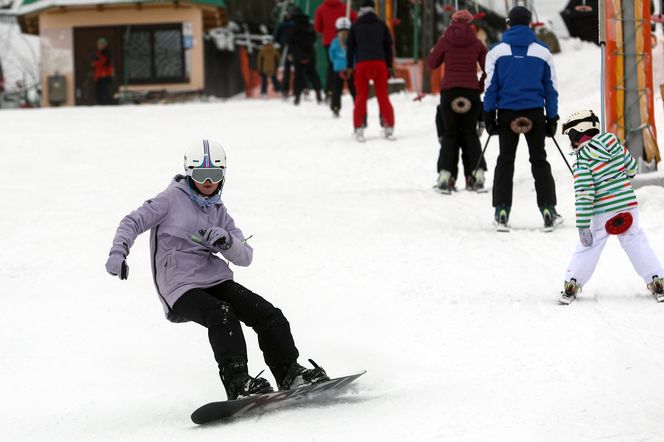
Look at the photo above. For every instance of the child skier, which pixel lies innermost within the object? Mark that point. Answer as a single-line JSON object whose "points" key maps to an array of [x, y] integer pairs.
{"points": [[605, 205], [337, 53], [268, 64], [189, 226]]}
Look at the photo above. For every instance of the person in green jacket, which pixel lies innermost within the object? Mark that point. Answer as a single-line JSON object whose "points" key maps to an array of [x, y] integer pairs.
{"points": [[605, 205]]}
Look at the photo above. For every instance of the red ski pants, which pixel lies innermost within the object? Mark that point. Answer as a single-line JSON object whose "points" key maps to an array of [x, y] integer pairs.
{"points": [[375, 70]]}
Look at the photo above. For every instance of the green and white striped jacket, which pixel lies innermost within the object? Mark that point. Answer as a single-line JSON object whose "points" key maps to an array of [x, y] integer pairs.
{"points": [[602, 175]]}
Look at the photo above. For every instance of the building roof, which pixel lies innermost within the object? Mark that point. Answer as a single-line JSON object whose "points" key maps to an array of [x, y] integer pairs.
{"points": [[31, 6]]}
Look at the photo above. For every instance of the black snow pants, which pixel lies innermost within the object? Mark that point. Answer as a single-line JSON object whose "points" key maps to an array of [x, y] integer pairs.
{"points": [[459, 131], [338, 88], [221, 308], [303, 72], [503, 179]]}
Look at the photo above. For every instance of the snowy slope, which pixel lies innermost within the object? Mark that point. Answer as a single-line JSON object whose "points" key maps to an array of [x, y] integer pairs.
{"points": [[457, 326]]}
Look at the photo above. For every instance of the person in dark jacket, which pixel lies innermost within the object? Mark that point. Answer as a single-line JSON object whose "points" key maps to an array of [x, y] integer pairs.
{"points": [[280, 36], [460, 103], [301, 39], [369, 52], [193, 241], [520, 86], [103, 72], [325, 20]]}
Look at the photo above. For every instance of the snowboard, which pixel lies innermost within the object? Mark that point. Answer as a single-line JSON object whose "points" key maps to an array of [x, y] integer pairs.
{"points": [[216, 411]]}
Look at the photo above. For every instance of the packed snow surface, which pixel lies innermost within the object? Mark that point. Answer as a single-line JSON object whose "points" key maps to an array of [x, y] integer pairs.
{"points": [[458, 326]]}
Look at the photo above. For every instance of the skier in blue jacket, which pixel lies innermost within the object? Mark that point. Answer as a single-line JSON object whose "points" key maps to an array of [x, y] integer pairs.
{"points": [[337, 52], [520, 86]]}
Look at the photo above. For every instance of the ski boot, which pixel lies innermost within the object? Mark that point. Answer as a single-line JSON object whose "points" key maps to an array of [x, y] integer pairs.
{"points": [[294, 375], [476, 182], [335, 112], [656, 287], [239, 384], [569, 292], [443, 186], [551, 218], [501, 218], [359, 134], [388, 133], [296, 101]]}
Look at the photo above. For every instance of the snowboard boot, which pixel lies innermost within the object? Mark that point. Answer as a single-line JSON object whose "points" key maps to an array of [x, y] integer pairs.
{"points": [[501, 218], [388, 132], [443, 185], [656, 287], [569, 292], [551, 218], [239, 384], [294, 375]]}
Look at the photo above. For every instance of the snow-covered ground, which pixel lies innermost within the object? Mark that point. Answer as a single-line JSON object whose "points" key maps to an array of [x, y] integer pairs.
{"points": [[458, 326]]}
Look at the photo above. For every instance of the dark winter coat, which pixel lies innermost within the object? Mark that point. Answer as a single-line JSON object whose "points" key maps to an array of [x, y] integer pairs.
{"points": [[369, 39], [326, 16], [179, 263], [301, 39], [520, 74], [461, 51]]}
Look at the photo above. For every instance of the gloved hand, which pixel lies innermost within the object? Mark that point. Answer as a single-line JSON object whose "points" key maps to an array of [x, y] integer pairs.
{"points": [[343, 75], [216, 238], [350, 72], [551, 126], [480, 128], [116, 265], [491, 122], [585, 236]]}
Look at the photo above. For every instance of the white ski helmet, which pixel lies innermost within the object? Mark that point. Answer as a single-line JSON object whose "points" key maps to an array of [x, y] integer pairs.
{"points": [[583, 122], [342, 23], [205, 160]]}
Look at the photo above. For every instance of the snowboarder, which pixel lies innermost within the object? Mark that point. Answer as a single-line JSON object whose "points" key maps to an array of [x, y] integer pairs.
{"points": [[460, 103], [369, 57], [189, 227], [605, 205], [521, 81], [337, 54]]}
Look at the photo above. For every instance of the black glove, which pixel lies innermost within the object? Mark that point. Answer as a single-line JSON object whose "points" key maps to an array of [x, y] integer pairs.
{"points": [[551, 126], [491, 122]]}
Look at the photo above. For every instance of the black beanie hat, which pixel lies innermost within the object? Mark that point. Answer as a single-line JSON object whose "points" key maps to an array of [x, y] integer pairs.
{"points": [[519, 15], [368, 4]]}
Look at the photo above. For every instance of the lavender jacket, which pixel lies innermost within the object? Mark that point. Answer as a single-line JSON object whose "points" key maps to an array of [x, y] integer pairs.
{"points": [[178, 263]]}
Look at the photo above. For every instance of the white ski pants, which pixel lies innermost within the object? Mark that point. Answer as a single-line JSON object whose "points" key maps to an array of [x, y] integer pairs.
{"points": [[634, 242]]}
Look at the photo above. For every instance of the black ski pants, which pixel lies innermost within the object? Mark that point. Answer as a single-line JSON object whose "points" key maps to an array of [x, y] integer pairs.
{"points": [[330, 74], [221, 308], [303, 72], [459, 131], [338, 88], [286, 79], [503, 179]]}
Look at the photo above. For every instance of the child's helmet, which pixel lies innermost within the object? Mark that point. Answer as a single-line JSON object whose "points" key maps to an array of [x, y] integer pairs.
{"points": [[580, 123], [342, 24], [205, 160]]}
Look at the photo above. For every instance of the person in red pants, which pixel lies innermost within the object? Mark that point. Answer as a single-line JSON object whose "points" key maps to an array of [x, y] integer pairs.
{"points": [[370, 52]]}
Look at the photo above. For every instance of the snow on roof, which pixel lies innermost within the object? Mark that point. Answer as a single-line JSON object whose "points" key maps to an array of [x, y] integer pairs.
{"points": [[29, 6]]}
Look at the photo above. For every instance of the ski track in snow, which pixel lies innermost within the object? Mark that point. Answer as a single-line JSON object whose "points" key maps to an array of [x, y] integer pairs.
{"points": [[458, 326]]}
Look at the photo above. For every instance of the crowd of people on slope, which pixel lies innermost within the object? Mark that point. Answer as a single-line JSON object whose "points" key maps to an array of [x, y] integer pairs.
{"points": [[358, 48]]}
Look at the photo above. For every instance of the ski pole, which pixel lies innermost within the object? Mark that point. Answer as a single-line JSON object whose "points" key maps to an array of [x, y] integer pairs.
{"points": [[479, 161], [563, 155]]}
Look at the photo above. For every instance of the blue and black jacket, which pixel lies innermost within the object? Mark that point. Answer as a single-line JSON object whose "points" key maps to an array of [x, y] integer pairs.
{"points": [[520, 74]]}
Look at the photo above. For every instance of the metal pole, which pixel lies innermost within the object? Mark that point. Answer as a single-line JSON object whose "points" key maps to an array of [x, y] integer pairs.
{"points": [[602, 46], [563, 155], [479, 161]]}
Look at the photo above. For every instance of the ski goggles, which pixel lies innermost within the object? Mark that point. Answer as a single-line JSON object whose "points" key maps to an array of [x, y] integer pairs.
{"points": [[203, 174]]}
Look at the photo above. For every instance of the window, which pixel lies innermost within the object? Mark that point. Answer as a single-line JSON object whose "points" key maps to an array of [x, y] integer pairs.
{"points": [[154, 54]]}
